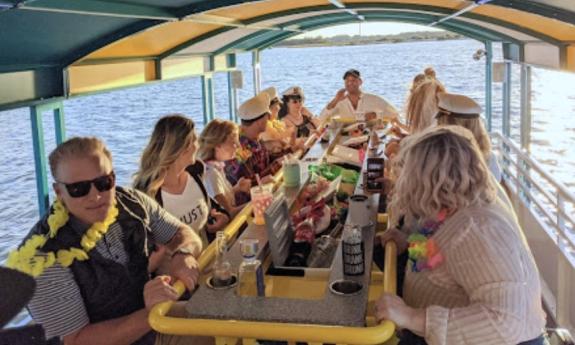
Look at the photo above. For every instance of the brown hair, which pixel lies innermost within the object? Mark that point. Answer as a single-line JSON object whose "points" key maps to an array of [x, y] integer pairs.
{"points": [[76, 147], [214, 134]]}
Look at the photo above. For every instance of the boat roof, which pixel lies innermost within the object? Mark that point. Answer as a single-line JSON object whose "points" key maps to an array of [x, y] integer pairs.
{"points": [[61, 48]]}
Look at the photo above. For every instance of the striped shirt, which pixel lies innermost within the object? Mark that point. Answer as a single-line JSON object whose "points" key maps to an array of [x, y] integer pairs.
{"points": [[57, 303], [487, 290]]}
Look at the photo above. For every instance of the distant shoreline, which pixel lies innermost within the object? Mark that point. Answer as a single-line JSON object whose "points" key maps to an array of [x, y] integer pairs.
{"points": [[346, 40]]}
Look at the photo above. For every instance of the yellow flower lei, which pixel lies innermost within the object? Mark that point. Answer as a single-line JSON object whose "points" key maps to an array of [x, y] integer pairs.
{"points": [[27, 260]]}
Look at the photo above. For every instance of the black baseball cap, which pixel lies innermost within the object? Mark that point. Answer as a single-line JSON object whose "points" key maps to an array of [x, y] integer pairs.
{"points": [[352, 72]]}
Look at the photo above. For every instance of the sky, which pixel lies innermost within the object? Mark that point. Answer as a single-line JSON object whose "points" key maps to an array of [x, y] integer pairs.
{"points": [[367, 29]]}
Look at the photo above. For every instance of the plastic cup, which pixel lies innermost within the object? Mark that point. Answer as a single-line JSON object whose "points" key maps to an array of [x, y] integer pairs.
{"points": [[291, 174], [262, 197]]}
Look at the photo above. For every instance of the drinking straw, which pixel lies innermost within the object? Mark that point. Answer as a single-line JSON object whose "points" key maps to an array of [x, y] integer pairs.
{"points": [[259, 182]]}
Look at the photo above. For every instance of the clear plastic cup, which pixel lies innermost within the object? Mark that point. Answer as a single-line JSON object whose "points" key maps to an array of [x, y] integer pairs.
{"points": [[262, 197]]}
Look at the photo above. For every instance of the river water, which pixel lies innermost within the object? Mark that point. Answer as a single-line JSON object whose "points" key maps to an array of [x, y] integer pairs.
{"points": [[124, 119]]}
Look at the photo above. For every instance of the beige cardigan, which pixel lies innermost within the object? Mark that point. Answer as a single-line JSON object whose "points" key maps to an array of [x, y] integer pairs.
{"points": [[487, 289]]}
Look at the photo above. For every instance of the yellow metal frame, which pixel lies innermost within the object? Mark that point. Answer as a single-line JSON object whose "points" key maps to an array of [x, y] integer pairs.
{"points": [[377, 334]]}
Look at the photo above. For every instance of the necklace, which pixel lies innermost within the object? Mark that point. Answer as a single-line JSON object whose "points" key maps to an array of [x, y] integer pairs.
{"points": [[423, 251], [28, 260]]}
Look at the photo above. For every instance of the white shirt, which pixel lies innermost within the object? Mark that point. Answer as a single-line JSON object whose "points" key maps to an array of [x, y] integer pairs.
{"points": [[190, 207], [217, 183], [367, 103]]}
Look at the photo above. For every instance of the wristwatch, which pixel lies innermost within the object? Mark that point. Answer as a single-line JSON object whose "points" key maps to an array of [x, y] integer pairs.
{"points": [[183, 250]]}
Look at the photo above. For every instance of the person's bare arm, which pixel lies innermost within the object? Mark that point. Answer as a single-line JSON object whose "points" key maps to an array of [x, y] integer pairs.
{"points": [[339, 96], [186, 237]]}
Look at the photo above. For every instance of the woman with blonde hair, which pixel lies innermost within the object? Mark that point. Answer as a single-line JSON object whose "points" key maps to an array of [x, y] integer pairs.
{"points": [[422, 105], [471, 277], [170, 173], [219, 143], [463, 111]]}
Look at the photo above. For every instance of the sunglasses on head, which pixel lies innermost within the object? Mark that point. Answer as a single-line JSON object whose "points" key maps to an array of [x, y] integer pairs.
{"points": [[82, 188]]}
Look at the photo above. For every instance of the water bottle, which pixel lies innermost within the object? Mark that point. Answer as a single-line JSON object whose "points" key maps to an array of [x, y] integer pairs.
{"points": [[250, 272], [352, 251], [222, 269]]}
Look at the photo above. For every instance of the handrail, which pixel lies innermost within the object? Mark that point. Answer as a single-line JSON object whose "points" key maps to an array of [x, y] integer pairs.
{"points": [[281, 331], [557, 201], [525, 157]]}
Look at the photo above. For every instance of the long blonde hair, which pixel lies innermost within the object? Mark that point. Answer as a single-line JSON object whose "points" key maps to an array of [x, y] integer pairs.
{"points": [[442, 168], [475, 126], [422, 105], [214, 134], [172, 135]]}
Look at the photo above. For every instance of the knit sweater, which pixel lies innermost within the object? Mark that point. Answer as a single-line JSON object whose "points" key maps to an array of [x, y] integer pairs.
{"points": [[487, 290]]}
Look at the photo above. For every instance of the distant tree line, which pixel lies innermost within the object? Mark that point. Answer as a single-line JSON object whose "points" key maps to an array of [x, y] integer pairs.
{"points": [[359, 40]]}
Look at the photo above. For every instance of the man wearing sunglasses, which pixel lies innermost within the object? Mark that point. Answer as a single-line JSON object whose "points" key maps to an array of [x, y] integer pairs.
{"points": [[106, 298], [351, 102]]}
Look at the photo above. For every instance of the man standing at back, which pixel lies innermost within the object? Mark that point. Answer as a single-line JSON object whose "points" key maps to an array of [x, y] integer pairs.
{"points": [[351, 100]]}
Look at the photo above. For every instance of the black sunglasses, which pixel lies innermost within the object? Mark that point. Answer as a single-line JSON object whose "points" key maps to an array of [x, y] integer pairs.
{"points": [[82, 188], [295, 99]]}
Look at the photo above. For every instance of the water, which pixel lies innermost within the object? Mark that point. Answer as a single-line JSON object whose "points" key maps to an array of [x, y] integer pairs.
{"points": [[124, 119]]}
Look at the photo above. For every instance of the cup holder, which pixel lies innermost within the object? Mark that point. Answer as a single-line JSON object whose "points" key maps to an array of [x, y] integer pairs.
{"points": [[222, 285], [345, 287]]}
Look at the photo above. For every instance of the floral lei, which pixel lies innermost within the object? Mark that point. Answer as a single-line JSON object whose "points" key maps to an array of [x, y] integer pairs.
{"points": [[27, 259], [423, 251]]}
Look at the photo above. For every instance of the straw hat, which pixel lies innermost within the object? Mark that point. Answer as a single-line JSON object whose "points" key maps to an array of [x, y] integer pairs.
{"points": [[294, 91], [458, 106], [255, 107], [272, 93], [15, 291]]}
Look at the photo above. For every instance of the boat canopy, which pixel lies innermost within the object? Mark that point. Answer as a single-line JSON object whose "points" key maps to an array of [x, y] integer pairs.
{"points": [[54, 49]]}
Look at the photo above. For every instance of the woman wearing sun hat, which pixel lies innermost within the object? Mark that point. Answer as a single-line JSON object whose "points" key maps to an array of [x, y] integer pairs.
{"points": [[295, 115]]}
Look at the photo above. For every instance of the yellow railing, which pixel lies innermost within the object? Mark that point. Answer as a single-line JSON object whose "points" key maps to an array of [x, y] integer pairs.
{"points": [[280, 331]]}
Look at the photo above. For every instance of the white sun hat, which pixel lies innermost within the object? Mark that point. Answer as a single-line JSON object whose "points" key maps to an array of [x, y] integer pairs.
{"points": [[457, 105], [294, 91], [255, 107]]}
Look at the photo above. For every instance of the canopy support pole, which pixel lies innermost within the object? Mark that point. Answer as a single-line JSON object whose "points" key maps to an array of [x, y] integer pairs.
{"points": [[526, 107], [233, 99], [40, 161], [257, 71], [488, 84], [208, 97], [506, 114]]}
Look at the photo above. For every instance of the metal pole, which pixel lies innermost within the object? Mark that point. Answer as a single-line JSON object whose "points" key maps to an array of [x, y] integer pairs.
{"points": [[39, 159], [525, 107], [506, 114], [488, 84], [208, 97], [232, 100], [59, 123], [257, 71]]}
